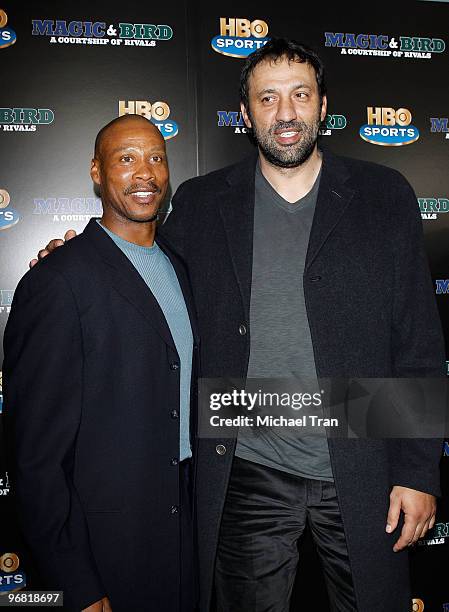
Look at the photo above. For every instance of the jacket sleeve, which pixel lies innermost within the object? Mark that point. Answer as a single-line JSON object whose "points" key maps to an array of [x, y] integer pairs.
{"points": [[42, 383], [417, 340]]}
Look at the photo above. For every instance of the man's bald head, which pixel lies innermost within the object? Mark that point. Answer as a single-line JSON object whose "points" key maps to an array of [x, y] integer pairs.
{"points": [[117, 122]]}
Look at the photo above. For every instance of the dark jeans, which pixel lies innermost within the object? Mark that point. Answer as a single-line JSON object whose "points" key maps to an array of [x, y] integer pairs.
{"points": [[264, 515]]}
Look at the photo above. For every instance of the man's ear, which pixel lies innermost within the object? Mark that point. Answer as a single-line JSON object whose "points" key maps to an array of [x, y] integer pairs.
{"points": [[95, 170], [245, 115], [323, 108]]}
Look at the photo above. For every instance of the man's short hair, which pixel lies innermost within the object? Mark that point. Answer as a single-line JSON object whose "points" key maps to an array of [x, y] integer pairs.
{"points": [[275, 49]]}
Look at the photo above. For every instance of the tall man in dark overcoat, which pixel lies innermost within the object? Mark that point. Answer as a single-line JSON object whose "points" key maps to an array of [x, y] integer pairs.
{"points": [[304, 263]]}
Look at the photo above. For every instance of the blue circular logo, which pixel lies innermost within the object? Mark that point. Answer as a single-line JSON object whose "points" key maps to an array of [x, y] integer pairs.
{"points": [[168, 128], [7, 37], [389, 136], [234, 46]]}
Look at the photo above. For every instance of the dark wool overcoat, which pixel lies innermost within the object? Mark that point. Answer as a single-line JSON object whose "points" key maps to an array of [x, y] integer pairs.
{"points": [[372, 313]]}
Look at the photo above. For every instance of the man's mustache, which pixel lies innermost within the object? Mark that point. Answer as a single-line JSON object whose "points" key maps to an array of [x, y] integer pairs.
{"points": [[151, 186], [288, 125]]}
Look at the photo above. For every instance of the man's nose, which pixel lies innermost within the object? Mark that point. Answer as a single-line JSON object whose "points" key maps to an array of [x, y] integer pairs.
{"points": [[286, 110], [144, 170]]}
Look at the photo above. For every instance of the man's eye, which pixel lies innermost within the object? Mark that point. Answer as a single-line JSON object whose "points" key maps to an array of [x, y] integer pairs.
{"points": [[267, 99], [126, 158], [301, 94], [156, 158]]}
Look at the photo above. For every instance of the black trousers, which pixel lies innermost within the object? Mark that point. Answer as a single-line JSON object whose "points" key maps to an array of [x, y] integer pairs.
{"points": [[187, 553], [265, 513]]}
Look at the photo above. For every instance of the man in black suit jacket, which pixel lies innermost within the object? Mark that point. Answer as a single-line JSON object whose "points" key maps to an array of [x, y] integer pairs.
{"points": [[365, 288], [96, 404]]}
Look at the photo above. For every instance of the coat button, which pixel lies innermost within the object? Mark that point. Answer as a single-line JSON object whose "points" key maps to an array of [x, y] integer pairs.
{"points": [[174, 509], [242, 329], [174, 414], [314, 279], [174, 461], [174, 366], [220, 449]]}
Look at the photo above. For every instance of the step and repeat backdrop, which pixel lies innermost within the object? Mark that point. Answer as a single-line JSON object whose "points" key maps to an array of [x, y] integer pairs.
{"points": [[66, 70]]}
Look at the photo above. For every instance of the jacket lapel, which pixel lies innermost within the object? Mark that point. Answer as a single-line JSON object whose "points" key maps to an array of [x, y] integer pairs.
{"points": [[334, 197], [127, 281], [237, 212]]}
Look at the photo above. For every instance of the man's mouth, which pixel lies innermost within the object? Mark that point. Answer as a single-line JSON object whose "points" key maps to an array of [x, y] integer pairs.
{"points": [[287, 136], [143, 195]]}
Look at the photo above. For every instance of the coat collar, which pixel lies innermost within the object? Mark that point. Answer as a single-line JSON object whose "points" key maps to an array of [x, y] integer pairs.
{"points": [[237, 211], [334, 196], [130, 285]]}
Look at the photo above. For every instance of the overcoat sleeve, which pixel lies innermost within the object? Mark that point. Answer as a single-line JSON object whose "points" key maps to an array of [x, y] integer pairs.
{"points": [[42, 383], [417, 340]]}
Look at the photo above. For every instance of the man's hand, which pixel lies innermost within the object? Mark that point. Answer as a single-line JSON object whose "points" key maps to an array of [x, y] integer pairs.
{"points": [[52, 245], [102, 605], [419, 515]]}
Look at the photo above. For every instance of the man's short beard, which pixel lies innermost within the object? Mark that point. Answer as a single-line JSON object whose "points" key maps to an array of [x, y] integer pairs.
{"points": [[289, 156]]}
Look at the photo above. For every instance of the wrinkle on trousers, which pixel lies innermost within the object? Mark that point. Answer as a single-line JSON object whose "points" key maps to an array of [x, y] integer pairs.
{"points": [[265, 514]]}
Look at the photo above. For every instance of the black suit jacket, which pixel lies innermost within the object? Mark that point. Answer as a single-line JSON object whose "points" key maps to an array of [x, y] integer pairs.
{"points": [[92, 409], [372, 313]]}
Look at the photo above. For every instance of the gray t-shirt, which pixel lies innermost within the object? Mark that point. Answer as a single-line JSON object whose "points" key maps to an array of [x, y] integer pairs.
{"points": [[281, 345]]}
